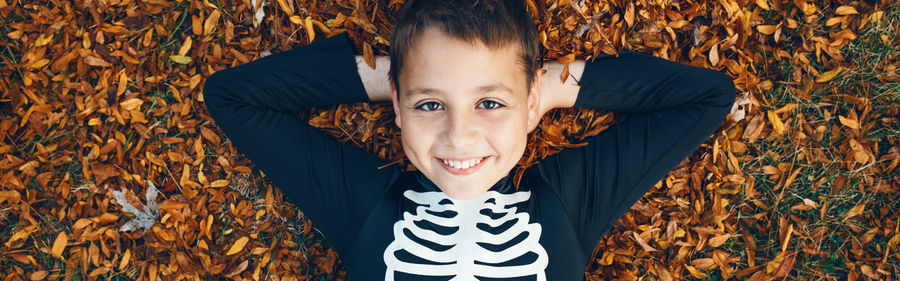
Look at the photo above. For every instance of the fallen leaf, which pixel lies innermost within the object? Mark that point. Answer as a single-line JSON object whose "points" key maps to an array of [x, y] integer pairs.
{"points": [[828, 75], [59, 245], [237, 246]]}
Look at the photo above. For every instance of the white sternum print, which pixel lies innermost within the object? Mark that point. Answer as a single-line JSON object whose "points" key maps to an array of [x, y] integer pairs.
{"points": [[459, 260]]}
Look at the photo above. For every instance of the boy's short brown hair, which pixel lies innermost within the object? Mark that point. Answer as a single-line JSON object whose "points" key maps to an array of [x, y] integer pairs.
{"points": [[496, 23]]}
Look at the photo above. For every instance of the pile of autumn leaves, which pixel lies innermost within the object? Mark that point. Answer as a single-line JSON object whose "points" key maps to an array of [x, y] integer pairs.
{"points": [[105, 101]]}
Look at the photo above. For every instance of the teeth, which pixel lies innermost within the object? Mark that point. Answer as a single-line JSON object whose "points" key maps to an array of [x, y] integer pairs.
{"points": [[462, 164]]}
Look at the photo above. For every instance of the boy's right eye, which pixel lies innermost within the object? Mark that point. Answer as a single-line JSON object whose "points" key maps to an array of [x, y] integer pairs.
{"points": [[429, 106]]}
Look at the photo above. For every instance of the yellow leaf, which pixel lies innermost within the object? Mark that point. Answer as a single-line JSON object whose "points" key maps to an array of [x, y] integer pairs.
{"points": [[766, 29], [764, 5], [43, 40], [180, 59], [296, 19], [777, 125], [285, 7], [846, 10], [308, 24], [824, 77], [59, 245], [237, 246]]}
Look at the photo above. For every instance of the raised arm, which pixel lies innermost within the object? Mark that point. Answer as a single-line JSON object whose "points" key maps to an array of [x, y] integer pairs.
{"points": [[255, 104], [671, 109]]}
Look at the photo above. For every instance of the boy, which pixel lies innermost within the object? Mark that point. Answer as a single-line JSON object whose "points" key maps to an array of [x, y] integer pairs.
{"points": [[466, 86]]}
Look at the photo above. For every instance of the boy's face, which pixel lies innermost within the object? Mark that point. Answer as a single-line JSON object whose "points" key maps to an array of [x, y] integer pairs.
{"points": [[464, 103]]}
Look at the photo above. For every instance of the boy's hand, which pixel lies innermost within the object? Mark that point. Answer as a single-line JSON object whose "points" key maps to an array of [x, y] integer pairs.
{"points": [[375, 81], [554, 92]]}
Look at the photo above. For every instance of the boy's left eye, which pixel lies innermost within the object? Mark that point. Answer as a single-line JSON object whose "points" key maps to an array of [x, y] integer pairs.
{"points": [[491, 104]]}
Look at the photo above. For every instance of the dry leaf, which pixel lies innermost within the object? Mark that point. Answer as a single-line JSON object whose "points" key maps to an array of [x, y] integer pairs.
{"points": [[59, 245], [714, 55], [644, 245], [237, 246], [144, 218], [852, 124], [828, 75], [846, 10]]}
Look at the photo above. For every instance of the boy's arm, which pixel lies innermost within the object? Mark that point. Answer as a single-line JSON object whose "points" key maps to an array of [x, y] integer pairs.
{"points": [[671, 109], [255, 104]]}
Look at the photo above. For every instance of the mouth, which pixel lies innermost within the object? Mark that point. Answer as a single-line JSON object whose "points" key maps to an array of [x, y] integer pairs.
{"points": [[462, 167]]}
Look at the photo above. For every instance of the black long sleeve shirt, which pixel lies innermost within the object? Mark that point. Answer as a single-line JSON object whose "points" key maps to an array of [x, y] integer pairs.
{"points": [[389, 224]]}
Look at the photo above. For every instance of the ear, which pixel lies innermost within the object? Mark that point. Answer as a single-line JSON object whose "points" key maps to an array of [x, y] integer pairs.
{"points": [[534, 102], [395, 101]]}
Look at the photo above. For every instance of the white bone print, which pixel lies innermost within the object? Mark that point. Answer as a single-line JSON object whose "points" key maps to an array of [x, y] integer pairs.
{"points": [[464, 249]]}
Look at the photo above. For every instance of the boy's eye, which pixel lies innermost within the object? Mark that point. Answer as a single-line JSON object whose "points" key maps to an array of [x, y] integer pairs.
{"points": [[429, 106], [489, 104]]}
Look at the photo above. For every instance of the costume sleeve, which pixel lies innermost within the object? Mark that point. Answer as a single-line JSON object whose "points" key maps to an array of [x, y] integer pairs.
{"points": [[335, 184], [670, 109]]}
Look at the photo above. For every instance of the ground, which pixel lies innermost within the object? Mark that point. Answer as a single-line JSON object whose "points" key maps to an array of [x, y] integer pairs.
{"points": [[800, 182]]}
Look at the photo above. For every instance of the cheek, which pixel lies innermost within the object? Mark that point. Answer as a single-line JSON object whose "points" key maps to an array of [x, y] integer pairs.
{"points": [[417, 137]]}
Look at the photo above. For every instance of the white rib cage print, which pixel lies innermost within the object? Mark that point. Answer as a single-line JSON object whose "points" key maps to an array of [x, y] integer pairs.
{"points": [[464, 249]]}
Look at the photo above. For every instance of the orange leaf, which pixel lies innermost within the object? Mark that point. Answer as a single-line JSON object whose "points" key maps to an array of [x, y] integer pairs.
{"points": [[210, 24], [237, 246], [59, 245], [39, 275], [767, 29], [218, 183], [824, 77], [125, 258], [846, 10], [853, 124]]}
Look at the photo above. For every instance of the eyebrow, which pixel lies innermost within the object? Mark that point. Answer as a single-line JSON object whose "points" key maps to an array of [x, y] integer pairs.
{"points": [[481, 89]]}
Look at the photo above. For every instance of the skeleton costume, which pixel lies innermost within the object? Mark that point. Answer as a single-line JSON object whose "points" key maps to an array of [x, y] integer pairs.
{"points": [[388, 224]]}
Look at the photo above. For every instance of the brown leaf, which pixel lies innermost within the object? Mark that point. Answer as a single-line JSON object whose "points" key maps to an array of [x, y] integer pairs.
{"points": [[856, 210], [368, 56]]}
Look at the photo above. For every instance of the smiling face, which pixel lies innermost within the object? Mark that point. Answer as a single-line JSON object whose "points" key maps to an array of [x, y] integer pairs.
{"points": [[464, 104]]}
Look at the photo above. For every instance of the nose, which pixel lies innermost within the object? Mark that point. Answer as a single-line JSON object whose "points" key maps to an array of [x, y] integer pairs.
{"points": [[461, 131]]}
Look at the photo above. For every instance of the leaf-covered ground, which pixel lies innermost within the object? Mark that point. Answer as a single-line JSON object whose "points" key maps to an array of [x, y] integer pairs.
{"points": [[104, 96]]}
